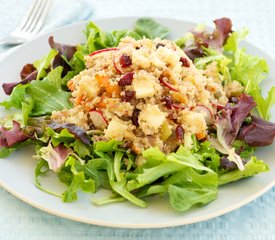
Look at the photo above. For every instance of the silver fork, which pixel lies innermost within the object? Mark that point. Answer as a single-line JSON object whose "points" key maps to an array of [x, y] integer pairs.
{"points": [[30, 24]]}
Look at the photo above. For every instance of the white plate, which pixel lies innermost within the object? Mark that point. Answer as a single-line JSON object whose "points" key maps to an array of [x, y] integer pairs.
{"points": [[16, 172]]}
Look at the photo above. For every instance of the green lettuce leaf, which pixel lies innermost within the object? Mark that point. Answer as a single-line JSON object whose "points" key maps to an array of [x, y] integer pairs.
{"points": [[111, 199], [77, 64], [174, 162], [6, 151], [7, 121], [208, 156], [152, 190], [185, 40], [117, 165], [188, 188], [27, 106], [55, 78], [232, 43], [110, 146], [245, 150], [94, 169], [64, 137], [78, 182], [97, 38], [121, 188], [149, 28], [119, 34], [47, 96], [97, 170], [149, 175], [263, 104], [249, 70], [41, 169], [43, 64], [186, 158], [252, 167], [153, 157], [222, 63], [81, 149], [16, 97]]}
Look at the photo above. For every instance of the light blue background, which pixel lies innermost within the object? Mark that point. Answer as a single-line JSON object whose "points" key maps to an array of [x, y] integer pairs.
{"points": [[19, 221]]}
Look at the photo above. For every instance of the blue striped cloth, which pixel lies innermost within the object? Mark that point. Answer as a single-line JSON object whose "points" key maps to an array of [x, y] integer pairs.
{"points": [[254, 221]]}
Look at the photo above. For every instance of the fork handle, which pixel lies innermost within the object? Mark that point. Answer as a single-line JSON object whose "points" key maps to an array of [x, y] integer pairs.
{"points": [[11, 41]]}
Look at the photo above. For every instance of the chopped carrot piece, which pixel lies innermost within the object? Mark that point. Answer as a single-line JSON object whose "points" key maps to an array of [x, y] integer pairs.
{"points": [[79, 99], [212, 89], [102, 103], [70, 85], [113, 89], [88, 109], [103, 81], [179, 97], [200, 135]]}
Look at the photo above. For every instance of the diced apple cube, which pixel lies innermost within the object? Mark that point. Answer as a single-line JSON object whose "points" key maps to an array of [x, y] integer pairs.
{"points": [[195, 122], [165, 131], [143, 85], [116, 129], [89, 86], [143, 89], [151, 118]]}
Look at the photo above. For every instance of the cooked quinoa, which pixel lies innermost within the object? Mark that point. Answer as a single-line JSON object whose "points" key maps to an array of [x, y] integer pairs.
{"points": [[145, 93]]}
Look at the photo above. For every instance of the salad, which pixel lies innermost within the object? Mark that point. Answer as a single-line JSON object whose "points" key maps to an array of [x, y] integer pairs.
{"points": [[138, 114]]}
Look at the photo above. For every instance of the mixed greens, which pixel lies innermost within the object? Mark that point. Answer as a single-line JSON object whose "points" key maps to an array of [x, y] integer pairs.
{"points": [[188, 177]]}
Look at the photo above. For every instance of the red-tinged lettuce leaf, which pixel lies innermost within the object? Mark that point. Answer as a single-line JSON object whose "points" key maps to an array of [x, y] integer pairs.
{"points": [[64, 51], [194, 52], [225, 163], [204, 39], [27, 70], [233, 117], [10, 137], [228, 165], [259, 133], [55, 156], [78, 132], [221, 33], [31, 74], [27, 74]]}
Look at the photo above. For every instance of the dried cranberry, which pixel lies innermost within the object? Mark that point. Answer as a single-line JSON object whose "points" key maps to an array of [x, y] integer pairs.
{"points": [[168, 102], [126, 79], [134, 117], [184, 62], [160, 45], [125, 61], [179, 132], [170, 116], [128, 96]]}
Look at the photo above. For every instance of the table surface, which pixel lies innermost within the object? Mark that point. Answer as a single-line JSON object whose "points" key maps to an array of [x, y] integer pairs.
{"points": [[256, 220]]}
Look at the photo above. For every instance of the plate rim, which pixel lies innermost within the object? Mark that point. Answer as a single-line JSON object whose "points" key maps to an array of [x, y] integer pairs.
{"points": [[140, 225], [131, 225]]}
